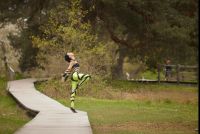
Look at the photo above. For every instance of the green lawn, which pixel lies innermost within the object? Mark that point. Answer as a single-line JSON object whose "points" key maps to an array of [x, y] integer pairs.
{"points": [[134, 86], [11, 116], [175, 111], [133, 117]]}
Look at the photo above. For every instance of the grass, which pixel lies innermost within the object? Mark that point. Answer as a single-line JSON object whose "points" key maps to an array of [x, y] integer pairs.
{"points": [[133, 108], [150, 75], [134, 86], [11, 116], [125, 116]]}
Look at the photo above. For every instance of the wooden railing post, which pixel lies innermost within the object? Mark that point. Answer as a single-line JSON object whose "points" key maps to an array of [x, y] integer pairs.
{"points": [[11, 73]]}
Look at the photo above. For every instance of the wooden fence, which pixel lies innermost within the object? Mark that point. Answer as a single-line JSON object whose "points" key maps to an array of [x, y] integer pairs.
{"points": [[178, 68]]}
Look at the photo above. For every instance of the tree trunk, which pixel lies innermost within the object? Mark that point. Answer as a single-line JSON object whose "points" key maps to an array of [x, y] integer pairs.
{"points": [[117, 72], [4, 59]]}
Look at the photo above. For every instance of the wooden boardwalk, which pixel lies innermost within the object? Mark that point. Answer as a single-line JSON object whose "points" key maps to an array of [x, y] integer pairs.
{"points": [[166, 82], [52, 117]]}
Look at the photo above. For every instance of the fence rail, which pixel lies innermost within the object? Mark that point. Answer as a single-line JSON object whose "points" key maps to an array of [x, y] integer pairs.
{"points": [[177, 68]]}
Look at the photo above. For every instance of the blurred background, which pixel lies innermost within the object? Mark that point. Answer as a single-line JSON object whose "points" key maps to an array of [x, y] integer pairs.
{"points": [[123, 39]]}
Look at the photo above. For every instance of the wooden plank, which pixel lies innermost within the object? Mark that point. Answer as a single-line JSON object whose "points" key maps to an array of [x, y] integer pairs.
{"points": [[53, 117], [181, 66]]}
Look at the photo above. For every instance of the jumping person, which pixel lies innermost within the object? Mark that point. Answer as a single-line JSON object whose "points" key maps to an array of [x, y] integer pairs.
{"points": [[77, 79]]}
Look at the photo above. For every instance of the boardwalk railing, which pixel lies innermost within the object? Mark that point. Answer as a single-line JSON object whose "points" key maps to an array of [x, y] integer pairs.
{"points": [[179, 73]]}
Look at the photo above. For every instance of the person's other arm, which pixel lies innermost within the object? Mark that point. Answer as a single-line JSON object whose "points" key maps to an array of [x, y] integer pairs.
{"points": [[68, 71]]}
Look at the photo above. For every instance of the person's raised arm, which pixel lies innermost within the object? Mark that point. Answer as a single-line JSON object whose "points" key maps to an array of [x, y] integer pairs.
{"points": [[67, 71]]}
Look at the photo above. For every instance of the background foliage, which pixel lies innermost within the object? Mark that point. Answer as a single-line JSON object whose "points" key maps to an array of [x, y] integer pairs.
{"points": [[102, 33]]}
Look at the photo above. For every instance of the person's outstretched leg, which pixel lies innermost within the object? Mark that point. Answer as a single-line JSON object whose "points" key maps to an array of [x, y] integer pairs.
{"points": [[83, 78]]}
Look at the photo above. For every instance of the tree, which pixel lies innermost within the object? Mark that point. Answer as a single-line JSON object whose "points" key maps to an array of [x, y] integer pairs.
{"points": [[29, 15], [150, 30], [67, 31], [4, 58]]}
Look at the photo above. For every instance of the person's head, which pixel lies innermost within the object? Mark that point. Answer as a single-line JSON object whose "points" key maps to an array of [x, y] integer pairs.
{"points": [[168, 61], [69, 56]]}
